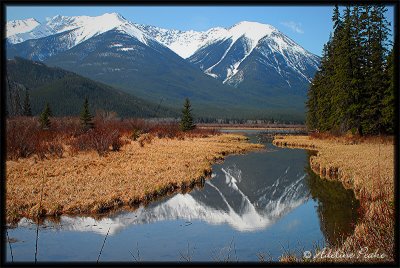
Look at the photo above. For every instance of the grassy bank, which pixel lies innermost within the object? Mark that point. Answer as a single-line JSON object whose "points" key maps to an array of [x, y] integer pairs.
{"points": [[86, 182], [366, 166]]}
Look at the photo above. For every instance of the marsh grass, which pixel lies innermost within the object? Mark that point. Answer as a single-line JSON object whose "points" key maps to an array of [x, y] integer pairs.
{"points": [[9, 244], [87, 183], [188, 255], [366, 165], [25, 137], [137, 257], [102, 246], [226, 254]]}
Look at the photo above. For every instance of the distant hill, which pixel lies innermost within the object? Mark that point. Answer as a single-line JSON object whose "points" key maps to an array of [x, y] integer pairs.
{"points": [[247, 71], [66, 91]]}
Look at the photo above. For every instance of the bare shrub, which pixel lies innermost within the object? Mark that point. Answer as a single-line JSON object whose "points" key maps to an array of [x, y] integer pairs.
{"points": [[165, 130], [145, 139], [25, 138], [21, 134]]}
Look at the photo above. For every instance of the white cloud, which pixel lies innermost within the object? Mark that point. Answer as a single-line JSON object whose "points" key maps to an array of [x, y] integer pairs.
{"points": [[294, 26]]}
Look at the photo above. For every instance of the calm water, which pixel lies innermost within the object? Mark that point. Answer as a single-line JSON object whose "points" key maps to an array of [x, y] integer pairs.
{"points": [[265, 203]]}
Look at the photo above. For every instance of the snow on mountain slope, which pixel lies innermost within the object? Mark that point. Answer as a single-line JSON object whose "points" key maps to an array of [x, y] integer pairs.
{"points": [[85, 27], [251, 32], [183, 43], [62, 33], [226, 57], [21, 26], [82, 28], [222, 53], [250, 55], [18, 30]]}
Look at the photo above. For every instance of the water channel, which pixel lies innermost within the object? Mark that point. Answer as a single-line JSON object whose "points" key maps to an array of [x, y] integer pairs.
{"points": [[259, 205]]}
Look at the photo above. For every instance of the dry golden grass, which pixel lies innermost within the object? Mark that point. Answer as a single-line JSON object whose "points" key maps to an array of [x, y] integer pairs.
{"points": [[87, 183], [367, 167]]}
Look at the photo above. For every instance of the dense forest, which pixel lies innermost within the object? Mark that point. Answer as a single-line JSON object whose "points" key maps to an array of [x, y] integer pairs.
{"points": [[66, 91], [354, 89]]}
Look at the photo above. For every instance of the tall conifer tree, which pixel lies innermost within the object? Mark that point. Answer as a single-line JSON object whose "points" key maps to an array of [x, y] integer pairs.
{"points": [[187, 119], [86, 117], [27, 105], [44, 118], [353, 88]]}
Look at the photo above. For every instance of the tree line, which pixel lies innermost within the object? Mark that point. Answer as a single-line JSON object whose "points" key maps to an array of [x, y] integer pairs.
{"points": [[353, 90], [86, 118]]}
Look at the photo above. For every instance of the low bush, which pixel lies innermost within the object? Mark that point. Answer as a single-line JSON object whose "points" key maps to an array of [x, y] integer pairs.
{"points": [[25, 138], [21, 135], [145, 139]]}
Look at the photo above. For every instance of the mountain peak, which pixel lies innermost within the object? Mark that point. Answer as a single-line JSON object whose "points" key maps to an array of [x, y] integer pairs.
{"points": [[21, 26], [252, 30], [114, 16]]}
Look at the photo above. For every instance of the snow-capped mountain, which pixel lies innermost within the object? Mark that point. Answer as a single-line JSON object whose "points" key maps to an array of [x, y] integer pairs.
{"points": [[183, 43], [222, 53], [267, 68], [67, 32], [229, 58], [16, 27]]}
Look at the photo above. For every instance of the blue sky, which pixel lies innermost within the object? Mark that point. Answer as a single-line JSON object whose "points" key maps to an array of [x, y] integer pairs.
{"points": [[309, 26]]}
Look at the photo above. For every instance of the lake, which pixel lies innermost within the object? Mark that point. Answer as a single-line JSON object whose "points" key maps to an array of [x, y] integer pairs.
{"points": [[256, 206]]}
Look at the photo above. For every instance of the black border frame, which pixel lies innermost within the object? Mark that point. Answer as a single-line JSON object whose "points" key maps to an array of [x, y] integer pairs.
{"points": [[5, 3]]}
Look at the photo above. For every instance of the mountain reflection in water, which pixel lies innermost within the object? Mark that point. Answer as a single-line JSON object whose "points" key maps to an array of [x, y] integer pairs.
{"points": [[260, 200], [240, 193]]}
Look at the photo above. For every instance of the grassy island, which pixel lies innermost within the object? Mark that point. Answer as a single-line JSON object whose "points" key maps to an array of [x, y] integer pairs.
{"points": [[87, 182]]}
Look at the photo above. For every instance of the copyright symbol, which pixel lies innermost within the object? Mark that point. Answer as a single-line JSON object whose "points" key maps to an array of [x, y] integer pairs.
{"points": [[307, 254]]}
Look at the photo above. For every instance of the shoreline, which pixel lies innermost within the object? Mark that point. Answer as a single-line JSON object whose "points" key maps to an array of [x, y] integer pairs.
{"points": [[299, 128], [89, 184], [357, 169]]}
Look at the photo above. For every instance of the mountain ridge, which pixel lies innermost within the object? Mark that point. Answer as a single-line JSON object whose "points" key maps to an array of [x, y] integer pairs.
{"points": [[252, 66], [66, 91]]}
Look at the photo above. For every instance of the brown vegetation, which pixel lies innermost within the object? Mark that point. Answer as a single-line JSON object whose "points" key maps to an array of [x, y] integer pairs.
{"points": [[90, 178], [365, 164], [25, 137]]}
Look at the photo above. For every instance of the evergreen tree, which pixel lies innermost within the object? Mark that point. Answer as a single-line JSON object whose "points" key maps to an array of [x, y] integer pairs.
{"points": [[336, 18], [344, 73], [388, 101], [44, 118], [27, 105], [354, 87], [187, 119], [376, 79], [356, 94], [86, 117]]}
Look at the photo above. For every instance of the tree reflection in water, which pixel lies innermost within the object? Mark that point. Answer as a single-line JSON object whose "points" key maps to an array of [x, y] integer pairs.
{"points": [[337, 206]]}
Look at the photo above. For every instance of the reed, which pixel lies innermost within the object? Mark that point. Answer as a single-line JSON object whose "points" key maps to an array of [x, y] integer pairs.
{"points": [[102, 246], [366, 165], [37, 218], [137, 259], [86, 183], [9, 244]]}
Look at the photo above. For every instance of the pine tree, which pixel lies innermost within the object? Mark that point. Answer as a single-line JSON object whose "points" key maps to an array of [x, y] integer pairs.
{"points": [[343, 75], [375, 68], [44, 118], [388, 101], [187, 119], [353, 88], [357, 96], [86, 117], [27, 105], [336, 18]]}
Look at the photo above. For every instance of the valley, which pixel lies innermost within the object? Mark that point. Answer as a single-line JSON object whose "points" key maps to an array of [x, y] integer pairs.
{"points": [[257, 72], [142, 134]]}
